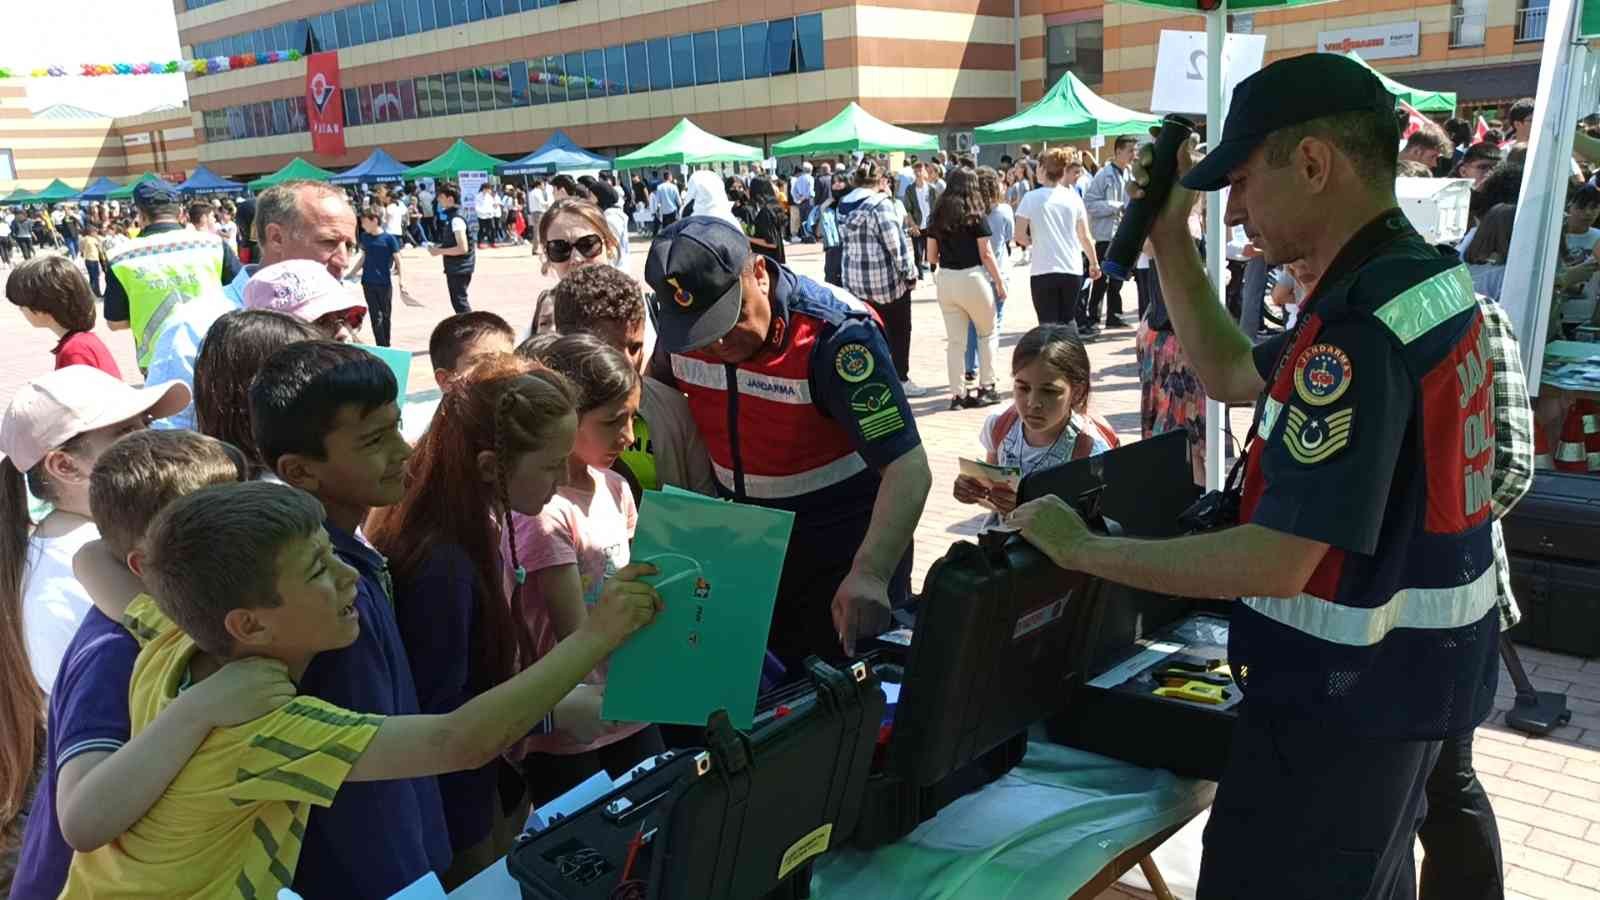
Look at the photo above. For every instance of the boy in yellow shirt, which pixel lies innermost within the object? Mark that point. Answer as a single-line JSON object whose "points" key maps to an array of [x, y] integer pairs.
{"points": [[247, 570]]}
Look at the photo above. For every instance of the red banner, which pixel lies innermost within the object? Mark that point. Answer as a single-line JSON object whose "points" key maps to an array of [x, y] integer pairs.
{"points": [[325, 103]]}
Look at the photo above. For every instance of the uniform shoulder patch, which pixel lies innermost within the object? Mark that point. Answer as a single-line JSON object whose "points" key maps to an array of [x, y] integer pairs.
{"points": [[1322, 374], [1315, 437], [854, 363], [876, 412]]}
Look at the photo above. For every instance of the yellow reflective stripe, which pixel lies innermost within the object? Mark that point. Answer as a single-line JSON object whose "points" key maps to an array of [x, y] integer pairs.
{"points": [[1426, 305]]}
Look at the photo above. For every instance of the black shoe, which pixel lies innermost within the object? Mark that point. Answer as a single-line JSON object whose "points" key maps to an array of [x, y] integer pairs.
{"points": [[960, 403], [1116, 322], [1088, 331], [986, 397]]}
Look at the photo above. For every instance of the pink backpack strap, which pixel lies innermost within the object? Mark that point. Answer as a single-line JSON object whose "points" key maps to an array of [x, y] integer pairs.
{"points": [[1002, 427]]}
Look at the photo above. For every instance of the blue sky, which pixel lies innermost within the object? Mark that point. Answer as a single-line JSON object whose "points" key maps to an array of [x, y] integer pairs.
{"points": [[72, 32]]}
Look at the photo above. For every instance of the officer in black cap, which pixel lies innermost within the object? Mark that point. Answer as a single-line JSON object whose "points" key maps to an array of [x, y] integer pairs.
{"points": [[790, 383], [148, 276], [1365, 629]]}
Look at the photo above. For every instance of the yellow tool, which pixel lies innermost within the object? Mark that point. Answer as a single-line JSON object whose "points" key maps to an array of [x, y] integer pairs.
{"points": [[1193, 692]]}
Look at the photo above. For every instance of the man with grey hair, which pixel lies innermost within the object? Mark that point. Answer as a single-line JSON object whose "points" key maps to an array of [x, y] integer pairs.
{"points": [[802, 194], [294, 220]]}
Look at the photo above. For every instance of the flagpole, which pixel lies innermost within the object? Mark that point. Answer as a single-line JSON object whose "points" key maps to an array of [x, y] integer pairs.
{"points": [[1216, 412]]}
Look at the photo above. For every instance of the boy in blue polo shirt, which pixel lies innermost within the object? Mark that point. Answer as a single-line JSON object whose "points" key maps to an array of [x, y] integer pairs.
{"points": [[325, 420], [88, 719], [379, 256]]}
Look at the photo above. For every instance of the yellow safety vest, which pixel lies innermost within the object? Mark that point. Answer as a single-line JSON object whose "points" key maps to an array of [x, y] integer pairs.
{"points": [[161, 272]]}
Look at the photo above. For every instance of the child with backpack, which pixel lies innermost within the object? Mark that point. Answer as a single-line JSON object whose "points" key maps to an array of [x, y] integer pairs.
{"points": [[877, 264], [1048, 422]]}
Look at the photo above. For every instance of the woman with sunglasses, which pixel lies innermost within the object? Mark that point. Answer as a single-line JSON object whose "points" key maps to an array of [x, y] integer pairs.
{"points": [[572, 233]]}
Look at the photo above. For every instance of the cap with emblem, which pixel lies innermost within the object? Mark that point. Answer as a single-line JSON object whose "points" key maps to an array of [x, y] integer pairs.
{"points": [[155, 193], [1288, 92], [694, 268]]}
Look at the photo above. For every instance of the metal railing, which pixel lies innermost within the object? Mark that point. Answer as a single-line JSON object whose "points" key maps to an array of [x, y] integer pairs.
{"points": [[1530, 23], [1467, 29]]}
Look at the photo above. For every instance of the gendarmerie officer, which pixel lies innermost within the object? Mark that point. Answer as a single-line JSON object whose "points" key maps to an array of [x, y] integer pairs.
{"points": [[791, 385], [1365, 629]]}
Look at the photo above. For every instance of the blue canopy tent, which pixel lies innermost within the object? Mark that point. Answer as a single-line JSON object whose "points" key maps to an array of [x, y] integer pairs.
{"points": [[100, 189], [205, 182], [378, 168], [559, 153]]}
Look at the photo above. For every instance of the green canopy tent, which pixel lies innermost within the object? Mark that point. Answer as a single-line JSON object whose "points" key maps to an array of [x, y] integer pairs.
{"points": [[1421, 101], [57, 191], [126, 191], [461, 157], [855, 130], [687, 144], [297, 169], [1068, 112], [20, 195]]}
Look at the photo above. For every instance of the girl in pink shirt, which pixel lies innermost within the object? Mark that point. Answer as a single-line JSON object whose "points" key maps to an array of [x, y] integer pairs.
{"points": [[568, 551]]}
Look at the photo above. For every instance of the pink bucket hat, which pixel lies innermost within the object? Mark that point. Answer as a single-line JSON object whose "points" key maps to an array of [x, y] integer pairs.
{"points": [[301, 288]]}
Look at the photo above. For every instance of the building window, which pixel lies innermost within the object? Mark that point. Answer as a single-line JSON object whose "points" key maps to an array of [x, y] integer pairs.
{"points": [[616, 71], [780, 47], [1469, 20], [730, 53], [8, 163], [660, 66], [808, 36], [1531, 18], [594, 62], [1078, 48], [576, 89], [755, 50], [638, 68], [705, 57], [682, 52]]}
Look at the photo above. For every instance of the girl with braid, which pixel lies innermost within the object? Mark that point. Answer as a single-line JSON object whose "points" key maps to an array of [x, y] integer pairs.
{"points": [[570, 548], [499, 447]]}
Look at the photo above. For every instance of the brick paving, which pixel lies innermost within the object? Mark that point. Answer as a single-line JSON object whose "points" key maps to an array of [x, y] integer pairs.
{"points": [[1546, 791]]}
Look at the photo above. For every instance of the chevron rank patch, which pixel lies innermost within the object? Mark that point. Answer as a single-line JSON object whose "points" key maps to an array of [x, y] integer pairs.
{"points": [[1315, 437], [875, 411]]}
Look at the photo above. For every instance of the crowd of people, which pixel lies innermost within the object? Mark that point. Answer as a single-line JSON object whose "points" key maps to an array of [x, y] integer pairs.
{"points": [[243, 617]]}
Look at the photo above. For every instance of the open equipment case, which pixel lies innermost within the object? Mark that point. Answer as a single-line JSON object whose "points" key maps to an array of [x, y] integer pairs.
{"points": [[738, 820], [1005, 640]]}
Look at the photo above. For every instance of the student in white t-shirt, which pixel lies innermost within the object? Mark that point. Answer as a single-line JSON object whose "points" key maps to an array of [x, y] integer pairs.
{"points": [[1580, 233], [579, 539], [1053, 223], [55, 428]]}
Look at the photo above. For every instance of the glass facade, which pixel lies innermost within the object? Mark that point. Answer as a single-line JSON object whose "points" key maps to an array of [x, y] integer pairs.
{"points": [[757, 50]]}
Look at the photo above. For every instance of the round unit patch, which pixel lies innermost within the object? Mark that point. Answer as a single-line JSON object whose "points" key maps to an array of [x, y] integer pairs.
{"points": [[854, 363], [1322, 374]]}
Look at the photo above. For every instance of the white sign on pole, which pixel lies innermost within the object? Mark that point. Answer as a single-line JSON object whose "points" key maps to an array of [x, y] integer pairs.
{"points": [[1388, 41], [1097, 141], [1180, 85], [469, 183]]}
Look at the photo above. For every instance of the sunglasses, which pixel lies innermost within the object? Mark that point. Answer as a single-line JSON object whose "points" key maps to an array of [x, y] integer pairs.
{"points": [[589, 245], [351, 318]]}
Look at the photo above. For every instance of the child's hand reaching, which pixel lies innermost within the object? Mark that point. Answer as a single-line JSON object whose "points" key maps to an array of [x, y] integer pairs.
{"points": [[971, 490], [239, 692], [626, 605]]}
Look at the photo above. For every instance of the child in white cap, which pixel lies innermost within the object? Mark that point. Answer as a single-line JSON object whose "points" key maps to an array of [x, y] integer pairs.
{"points": [[304, 289], [52, 432]]}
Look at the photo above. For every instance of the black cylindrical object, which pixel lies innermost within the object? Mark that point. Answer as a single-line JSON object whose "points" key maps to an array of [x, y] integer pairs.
{"points": [[1141, 213]]}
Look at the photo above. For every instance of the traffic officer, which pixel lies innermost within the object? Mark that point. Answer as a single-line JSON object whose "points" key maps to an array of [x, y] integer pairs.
{"points": [[790, 383], [166, 265], [1365, 629]]}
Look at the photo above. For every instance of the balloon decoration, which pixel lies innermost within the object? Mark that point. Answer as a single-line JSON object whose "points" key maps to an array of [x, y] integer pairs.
{"points": [[206, 66]]}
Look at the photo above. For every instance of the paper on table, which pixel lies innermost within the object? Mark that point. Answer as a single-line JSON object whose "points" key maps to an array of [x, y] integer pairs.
{"points": [[720, 563], [428, 887], [598, 785]]}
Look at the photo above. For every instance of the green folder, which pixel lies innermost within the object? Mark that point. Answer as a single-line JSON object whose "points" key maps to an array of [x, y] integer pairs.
{"points": [[719, 567], [399, 362]]}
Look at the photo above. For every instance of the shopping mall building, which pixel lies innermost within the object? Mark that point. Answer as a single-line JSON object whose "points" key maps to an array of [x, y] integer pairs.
{"points": [[419, 73]]}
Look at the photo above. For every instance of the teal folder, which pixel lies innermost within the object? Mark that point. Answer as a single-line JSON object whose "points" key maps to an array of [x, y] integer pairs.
{"points": [[399, 362], [719, 566]]}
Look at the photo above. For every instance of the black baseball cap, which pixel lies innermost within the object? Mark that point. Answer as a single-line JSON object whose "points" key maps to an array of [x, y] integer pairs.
{"points": [[155, 193], [694, 267], [1288, 92]]}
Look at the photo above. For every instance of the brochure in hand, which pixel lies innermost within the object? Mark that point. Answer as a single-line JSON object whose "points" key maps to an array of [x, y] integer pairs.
{"points": [[719, 567]]}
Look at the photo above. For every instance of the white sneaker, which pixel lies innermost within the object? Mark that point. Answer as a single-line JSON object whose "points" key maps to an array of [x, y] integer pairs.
{"points": [[912, 389]]}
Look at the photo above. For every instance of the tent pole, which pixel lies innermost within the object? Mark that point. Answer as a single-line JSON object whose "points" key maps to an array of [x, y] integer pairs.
{"points": [[1216, 413]]}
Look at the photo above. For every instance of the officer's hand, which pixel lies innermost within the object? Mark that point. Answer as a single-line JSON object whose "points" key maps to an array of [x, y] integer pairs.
{"points": [[860, 607], [1054, 527], [1174, 219]]}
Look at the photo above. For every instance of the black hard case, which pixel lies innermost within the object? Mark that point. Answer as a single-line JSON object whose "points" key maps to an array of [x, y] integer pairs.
{"points": [[1553, 544], [720, 822]]}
